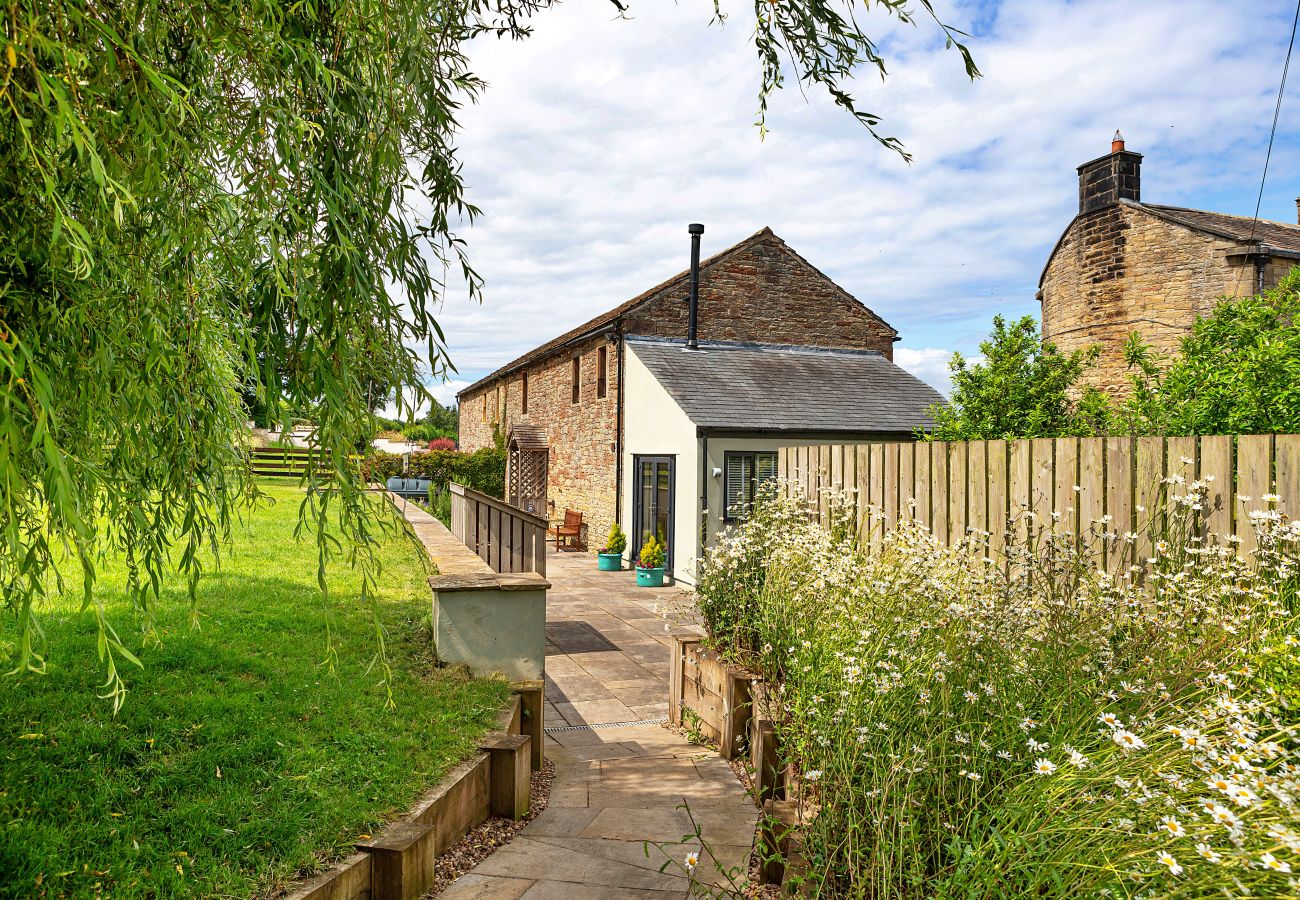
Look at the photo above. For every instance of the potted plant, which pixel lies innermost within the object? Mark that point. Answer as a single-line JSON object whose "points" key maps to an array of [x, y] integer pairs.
{"points": [[609, 558], [650, 567]]}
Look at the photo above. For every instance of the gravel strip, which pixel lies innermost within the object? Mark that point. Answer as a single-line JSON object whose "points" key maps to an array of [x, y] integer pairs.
{"points": [[479, 844]]}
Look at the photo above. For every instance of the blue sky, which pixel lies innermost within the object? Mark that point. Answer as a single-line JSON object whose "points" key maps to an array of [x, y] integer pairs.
{"points": [[599, 139]]}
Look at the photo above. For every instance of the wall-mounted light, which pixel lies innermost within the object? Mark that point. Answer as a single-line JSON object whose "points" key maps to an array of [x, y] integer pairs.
{"points": [[717, 471]]}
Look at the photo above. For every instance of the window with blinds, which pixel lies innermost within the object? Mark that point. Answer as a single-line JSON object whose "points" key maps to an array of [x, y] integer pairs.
{"points": [[743, 473]]}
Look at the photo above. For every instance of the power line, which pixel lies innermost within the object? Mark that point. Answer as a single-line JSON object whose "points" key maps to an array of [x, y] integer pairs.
{"points": [[1277, 109]]}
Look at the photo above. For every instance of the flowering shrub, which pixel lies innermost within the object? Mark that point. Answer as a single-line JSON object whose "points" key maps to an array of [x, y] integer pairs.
{"points": [[616, 542], [969, 728], [653, 554]]}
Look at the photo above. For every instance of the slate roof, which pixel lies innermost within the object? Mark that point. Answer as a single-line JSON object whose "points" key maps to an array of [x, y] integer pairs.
{"points": [[1276, 235], [1268, 238], [766, 387], [609, 318]]}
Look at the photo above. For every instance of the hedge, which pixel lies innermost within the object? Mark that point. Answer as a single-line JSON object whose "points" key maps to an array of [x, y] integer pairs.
{"points": [[482, 470]]}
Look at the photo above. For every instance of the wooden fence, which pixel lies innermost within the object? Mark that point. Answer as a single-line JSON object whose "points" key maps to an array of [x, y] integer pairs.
{"points": [[953, 487], [505, 537]]}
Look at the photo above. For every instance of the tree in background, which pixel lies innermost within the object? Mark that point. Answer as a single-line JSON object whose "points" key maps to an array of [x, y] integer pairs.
{"points": [[1237, 372], [1023, 387], [443, 421], [204, 200]]}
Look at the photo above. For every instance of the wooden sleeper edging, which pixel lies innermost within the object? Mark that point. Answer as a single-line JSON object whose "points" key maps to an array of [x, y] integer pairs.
{"points": [[398, 863]]}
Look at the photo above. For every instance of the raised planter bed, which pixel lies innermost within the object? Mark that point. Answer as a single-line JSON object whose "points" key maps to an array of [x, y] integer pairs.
{"points": [[725, 705], [707, 696]]}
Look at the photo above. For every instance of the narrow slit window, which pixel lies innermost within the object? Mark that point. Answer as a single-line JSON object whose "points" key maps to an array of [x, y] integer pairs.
{"points": [[602, 379], [485, 406], [577, 378], [523, 393]]}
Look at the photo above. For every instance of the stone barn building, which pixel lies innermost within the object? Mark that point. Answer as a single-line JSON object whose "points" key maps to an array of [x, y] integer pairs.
{"points": [[1123, 266], [564, 404]]}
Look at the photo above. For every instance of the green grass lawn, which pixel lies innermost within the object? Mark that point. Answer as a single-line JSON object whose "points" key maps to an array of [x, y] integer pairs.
{"points": [[237, 761]]}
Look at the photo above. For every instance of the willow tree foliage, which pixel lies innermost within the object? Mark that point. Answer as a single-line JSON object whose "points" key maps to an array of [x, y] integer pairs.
{"points": [[242, 197]]}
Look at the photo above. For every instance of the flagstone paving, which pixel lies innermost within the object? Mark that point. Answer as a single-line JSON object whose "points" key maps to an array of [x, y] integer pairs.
{"points": [[620, 786]]}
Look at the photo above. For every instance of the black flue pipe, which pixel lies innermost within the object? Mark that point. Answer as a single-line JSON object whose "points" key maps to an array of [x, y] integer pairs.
{"points": [[693, 318]]}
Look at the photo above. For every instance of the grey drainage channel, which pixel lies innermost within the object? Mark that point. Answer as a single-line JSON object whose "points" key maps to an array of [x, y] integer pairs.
{"points": [[559, 728]]}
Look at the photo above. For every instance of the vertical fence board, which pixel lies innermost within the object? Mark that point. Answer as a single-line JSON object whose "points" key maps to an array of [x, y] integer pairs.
{"points": [[837, 468], [891, 485], [1119, 502], [876, 491], [958, 489], [977, 491], [1181, 459], [939, 491], [863, 455], [1091, 501], [850, 482], [907, 481], [1042, 481], [1066, 502], [1216, 472], [1020, 492], [922, 454], [1254, 479], [1149, 493], [823, 482], [997, 499], [1286, 450]]}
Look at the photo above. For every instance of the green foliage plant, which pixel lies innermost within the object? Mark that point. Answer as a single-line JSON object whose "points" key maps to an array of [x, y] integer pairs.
{"points": [[653, 553], [965, 726], [1023, 387], [616, 542], [216, 210], [483, 470], [1236, 372], [234, 767]]}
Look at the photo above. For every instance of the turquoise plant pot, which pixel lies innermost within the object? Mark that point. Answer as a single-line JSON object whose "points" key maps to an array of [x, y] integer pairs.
{"points": [[650, 577], [609, 562]]}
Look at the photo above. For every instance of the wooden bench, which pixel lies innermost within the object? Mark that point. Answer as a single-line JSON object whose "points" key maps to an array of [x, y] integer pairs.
{"points": [[571, 534]]}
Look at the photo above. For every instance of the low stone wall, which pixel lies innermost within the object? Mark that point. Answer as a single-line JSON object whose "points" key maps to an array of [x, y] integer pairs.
{"points": [[494, 624], [398, 863]]}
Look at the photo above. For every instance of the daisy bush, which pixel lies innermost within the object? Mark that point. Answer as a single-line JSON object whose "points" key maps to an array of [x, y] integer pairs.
{"points": [[1037, 725]]}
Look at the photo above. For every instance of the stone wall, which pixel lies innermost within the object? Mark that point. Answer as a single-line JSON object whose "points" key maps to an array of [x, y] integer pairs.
{"points": [[765, 293], [761, 292], [581, 466], [1119, 270]]}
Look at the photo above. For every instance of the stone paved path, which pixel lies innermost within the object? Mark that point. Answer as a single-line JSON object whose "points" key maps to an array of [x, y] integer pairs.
{"points": [[615, 787]]}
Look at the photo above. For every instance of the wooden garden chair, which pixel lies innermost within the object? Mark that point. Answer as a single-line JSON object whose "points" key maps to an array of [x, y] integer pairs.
{"points": [[571, 534]]}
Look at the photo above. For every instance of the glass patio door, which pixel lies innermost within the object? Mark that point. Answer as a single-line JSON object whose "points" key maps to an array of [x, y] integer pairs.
{"points": [[653, 506]]}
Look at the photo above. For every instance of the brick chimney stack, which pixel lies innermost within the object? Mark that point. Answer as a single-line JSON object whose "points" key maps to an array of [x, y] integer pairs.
{"points": [[1297, 210], [1109, 179]]}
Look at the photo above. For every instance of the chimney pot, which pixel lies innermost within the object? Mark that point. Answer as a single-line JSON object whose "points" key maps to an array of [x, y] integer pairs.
{"points": [[1297, 210], [1117, 142]]}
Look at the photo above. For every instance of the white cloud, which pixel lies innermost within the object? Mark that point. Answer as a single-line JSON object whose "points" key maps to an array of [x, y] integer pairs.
{"points": [[930, 364], [599, 140]]}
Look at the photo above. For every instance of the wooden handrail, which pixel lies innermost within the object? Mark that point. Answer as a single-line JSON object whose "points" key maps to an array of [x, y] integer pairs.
{"points": [[505, 537]]}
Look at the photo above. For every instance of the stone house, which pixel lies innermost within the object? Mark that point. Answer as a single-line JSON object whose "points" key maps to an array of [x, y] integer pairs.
{"points": [[565, 409], [1123, 266]]}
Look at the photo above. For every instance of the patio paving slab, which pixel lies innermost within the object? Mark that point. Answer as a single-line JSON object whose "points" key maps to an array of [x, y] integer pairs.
{"points": [[618, 786]]}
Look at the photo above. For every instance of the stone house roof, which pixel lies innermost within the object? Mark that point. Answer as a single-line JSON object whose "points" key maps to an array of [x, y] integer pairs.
{"points": [[742, 387], [1263, 237], [612, 317]]}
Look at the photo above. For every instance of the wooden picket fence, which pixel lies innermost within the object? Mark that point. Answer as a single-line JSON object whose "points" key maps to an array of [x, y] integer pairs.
{"points": [[983, 485]]}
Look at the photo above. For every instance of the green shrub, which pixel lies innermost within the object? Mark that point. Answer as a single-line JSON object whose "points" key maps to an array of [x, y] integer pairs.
{"points": [[968, 729], [617, 540], [483, 470], [653, 553]]}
